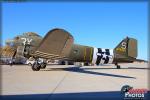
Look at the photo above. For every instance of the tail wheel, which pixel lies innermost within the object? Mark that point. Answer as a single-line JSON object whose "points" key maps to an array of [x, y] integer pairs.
{"points": [[118, 67], [36, 66], [43, 65]]}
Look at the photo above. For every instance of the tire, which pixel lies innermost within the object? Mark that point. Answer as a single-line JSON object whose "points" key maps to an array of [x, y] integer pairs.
{"points": [[118, 67], [63, 63], [86, 64], [36, 67], [43, 66]]}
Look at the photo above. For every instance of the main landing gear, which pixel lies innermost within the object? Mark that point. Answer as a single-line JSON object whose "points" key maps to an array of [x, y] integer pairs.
{"points": [[37, 65], [118, 66]]}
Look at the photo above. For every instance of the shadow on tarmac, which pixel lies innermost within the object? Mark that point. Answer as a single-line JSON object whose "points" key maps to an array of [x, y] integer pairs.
{"points": [[82, 70]]}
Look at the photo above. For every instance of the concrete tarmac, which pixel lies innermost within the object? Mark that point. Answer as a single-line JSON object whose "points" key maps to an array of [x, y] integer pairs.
{"points": [[67, 79]]}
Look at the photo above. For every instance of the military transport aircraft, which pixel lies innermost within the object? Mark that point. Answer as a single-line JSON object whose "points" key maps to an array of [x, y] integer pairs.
{"points": [[59, 44], [16, 49]]}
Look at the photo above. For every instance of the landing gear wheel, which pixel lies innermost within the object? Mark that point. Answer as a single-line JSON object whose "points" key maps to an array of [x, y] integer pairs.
{"points": [[43, 65], [118, 66], [36, 66]]}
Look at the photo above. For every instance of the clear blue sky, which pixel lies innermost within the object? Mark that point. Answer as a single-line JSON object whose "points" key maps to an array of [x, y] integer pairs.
{"points": [[98, 24]]}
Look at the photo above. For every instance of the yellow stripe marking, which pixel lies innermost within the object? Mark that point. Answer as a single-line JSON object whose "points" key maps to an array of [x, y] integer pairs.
{"points": [[85, 54], [91, 54]]}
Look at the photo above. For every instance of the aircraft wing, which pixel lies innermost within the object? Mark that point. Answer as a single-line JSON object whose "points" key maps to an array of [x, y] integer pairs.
{"points": [[56, 44]]}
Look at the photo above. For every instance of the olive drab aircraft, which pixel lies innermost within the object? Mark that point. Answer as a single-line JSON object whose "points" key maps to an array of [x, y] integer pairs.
{"points": [[19, 48], [59, 44]]}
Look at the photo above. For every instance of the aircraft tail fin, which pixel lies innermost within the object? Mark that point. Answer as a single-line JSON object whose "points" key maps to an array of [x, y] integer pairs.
{"points": [[126, 48]]}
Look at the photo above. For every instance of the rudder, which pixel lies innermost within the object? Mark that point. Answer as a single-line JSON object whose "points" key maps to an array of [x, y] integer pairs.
{"points": [[126, 48]]}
